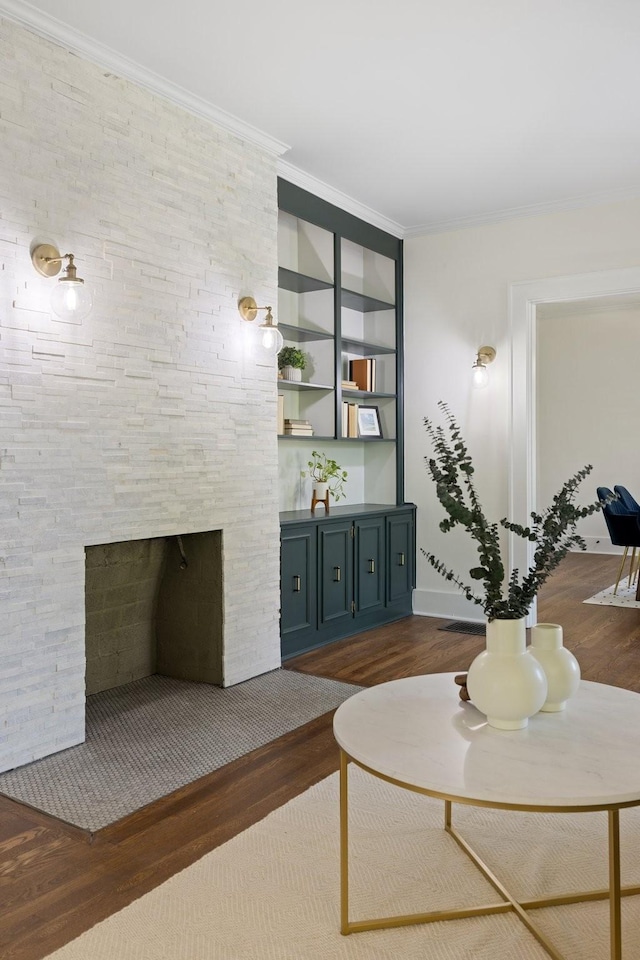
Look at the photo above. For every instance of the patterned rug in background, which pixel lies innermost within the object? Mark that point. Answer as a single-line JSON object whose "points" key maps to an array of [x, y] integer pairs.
{"points": [[153, 736], [625, 597]]}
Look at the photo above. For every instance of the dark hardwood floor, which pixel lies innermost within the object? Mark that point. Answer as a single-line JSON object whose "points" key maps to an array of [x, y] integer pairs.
{"points": [[57, 881]]}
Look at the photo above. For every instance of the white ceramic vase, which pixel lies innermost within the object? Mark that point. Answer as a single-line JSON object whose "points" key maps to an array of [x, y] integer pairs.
{"points": [[504, 682], [559, 664], [291, 373], [320, 490]]}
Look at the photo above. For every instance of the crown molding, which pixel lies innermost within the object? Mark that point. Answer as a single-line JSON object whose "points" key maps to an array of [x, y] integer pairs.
{"points": [[78, 43], [320, 189], [529, 210]]}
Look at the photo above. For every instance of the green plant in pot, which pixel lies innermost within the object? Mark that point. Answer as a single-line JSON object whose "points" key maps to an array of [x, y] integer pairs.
{"points": [[505, 600], [323, 470], [291, 361]]}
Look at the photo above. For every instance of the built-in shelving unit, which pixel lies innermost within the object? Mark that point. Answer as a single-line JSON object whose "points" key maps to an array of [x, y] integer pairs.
{"points": [[340, 299]]}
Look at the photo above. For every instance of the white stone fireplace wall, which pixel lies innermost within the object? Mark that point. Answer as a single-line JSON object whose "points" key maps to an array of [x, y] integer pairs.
{"points": [[151, 417]]}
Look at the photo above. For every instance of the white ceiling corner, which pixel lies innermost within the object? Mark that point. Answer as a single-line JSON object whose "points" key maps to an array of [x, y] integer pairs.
{"points": [[418, 117]]}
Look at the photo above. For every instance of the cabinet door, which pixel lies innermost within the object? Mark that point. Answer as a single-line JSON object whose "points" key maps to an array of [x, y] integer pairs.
{"points": [[369, 564], [335, 552], [400, 553], [297, 586]]}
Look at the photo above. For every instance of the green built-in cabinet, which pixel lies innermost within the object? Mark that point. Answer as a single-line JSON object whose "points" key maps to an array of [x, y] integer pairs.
{"points": [[340, 299], [344, 572]]}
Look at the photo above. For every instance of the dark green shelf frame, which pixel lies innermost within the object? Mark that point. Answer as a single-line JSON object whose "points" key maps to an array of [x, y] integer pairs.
{"points": [[303, 334], [362, 303], [300, 283], [344, 226]]}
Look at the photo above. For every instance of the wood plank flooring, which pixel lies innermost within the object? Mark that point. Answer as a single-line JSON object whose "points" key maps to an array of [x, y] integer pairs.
{"points": [[56, 880]]}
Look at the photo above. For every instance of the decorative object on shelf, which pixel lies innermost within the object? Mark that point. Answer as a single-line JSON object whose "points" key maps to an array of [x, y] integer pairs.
{"points": [[485, 356], [70, 299], [297, 428], [320, 494], [363, 373], [349, 419], [324, 470], [559, 664], [552, 531], [369, 422], [291, 363], [270, 337]]}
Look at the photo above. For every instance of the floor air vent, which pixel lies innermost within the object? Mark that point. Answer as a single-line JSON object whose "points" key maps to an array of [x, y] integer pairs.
{"points": [[460, 626]]}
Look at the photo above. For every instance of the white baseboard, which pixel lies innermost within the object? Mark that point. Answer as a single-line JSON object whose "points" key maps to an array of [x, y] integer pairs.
{"points": [[448, 606], [600, 545]]}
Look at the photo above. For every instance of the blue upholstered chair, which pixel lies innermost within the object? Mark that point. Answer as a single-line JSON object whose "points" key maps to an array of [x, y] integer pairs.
{"points": [[630, 504], [623, 525]]}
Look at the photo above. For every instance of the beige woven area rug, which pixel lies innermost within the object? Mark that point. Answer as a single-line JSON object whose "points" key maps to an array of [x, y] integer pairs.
{"points": [[272, 893]]}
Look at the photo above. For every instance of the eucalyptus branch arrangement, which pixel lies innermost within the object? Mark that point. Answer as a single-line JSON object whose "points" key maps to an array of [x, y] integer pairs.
{"points": [[553, 530]]}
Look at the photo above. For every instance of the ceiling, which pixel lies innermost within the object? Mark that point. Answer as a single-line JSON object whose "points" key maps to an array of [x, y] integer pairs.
{"points": [[420, 114]]}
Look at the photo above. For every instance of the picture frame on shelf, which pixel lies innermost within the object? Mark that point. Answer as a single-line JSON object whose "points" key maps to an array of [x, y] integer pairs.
{"points": [[369, 422]]}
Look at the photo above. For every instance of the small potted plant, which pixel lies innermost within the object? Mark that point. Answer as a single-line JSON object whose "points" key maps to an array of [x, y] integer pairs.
{"points": [[291, 363], [327, 475]]}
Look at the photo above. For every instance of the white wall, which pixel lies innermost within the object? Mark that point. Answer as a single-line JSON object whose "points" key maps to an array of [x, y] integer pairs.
{"points": [[456, 299], [587, 358], [151, 417]]}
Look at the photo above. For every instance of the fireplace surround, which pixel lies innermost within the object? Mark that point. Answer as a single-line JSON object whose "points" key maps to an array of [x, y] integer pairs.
{"points": [[150, 419]]}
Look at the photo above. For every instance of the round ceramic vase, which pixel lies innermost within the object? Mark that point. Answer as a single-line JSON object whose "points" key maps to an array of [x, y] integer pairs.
{"points": [[504, 682], [320, 490], [559, 664]]}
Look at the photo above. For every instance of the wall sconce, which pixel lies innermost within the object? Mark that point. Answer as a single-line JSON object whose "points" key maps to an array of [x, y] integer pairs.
{"points": [[70, 299], [480, 373], [270, 337]]}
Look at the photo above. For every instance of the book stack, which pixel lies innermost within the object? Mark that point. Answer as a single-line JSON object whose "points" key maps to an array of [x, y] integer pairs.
{"points": [[349, 385], [363, 372], [349, 419], [297, 428]]}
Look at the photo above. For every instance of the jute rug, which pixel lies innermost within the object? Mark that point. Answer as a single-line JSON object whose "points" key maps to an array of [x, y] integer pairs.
{"points": [[272, 893], [625, 597], [148, 738]]}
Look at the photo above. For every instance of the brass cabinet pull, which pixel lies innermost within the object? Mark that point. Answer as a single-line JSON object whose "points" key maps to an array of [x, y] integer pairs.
{"points": [[401, 560], [337, 574], [297, 584], [372, 566]]}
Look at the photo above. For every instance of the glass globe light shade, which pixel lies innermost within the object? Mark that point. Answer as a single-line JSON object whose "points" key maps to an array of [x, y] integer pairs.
{"points": [[270, 338], [480, 375], [71, 300]]}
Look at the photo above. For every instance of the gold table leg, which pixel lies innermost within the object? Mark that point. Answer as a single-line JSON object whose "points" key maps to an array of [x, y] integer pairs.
{"points": [[615, 914], [613, 893], [344, 844]]}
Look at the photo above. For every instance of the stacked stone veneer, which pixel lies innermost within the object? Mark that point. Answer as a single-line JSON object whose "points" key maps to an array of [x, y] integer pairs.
{"points": [[151, 417]]}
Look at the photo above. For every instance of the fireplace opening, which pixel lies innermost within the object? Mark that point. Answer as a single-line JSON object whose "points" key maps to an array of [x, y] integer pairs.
{"points": [[154, 606]]}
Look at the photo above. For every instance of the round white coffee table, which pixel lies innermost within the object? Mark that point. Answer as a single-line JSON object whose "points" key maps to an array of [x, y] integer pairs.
{"points": [[417, 734]]}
